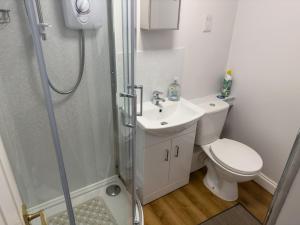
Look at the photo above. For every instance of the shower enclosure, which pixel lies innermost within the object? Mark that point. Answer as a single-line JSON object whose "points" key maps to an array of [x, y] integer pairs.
{"points": [[71, 154]]}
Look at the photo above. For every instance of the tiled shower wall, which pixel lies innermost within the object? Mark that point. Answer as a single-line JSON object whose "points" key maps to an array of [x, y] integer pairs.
{"points": [[84, 118]]}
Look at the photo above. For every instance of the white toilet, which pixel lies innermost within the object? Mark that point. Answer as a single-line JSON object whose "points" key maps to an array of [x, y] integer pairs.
{"points": [[229, 162]]}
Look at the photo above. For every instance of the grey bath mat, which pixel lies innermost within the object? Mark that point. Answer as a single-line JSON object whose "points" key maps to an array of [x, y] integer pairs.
{"points": [[237, 215], [91, 212]]}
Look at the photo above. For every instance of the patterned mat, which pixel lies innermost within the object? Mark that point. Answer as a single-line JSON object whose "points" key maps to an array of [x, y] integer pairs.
{"points": [[236, 215], [91, 212]]}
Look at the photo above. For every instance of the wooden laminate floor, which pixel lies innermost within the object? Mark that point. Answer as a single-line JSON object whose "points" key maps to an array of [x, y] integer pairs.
{"points": [[194, 203]]}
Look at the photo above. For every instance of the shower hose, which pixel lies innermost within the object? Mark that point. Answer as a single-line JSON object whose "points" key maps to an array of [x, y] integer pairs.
{"points": [[81, 69]]}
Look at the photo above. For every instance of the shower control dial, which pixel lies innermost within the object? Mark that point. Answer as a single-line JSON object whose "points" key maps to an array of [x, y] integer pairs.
{"points": [[82, 6], [83, 14]]}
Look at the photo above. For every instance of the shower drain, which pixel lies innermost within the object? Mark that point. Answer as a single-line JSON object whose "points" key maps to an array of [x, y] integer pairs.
{"points": [[113, 190]]}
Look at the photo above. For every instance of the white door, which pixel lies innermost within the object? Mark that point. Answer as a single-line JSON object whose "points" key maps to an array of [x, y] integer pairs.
{"points": [[181, 158], [156, 166], [10, 201]]}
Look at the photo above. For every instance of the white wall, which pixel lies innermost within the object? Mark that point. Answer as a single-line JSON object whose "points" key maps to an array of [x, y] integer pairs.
{"points": [[265, 56], [204, 54]]}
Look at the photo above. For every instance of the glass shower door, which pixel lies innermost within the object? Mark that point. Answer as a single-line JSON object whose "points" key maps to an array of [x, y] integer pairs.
{"points": [[126, 98], [68, 162], [98, 188]]}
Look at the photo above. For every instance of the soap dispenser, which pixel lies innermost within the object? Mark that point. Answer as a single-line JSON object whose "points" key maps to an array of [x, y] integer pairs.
{"points": [[174, 90]]}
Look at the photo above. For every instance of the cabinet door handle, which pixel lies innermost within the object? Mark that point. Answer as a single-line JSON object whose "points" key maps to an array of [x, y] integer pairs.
{"points": [[177, 151], [167, 155]]}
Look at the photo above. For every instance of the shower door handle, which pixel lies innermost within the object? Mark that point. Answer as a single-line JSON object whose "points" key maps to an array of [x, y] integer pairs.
{"points": [[131, 124], [141, 98], [141, 87]]}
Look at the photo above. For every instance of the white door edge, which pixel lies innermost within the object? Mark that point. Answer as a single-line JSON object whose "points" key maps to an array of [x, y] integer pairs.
{"points": [[10, 199]]}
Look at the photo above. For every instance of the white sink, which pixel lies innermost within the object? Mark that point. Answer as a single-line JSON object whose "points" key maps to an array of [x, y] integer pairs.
{"points": [[172, 117]]}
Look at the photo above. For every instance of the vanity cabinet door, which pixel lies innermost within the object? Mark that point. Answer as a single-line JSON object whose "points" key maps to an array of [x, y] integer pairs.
{"points": [[182, 153], [157, 163]]}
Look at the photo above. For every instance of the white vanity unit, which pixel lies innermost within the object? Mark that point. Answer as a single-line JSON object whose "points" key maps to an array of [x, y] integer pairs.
{"points": [[165, 142]]}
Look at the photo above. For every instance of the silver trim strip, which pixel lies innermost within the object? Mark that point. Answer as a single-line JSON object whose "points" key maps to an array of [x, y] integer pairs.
{"points": [[49, 105], [287, 178], [132, 30], [113, 73]]}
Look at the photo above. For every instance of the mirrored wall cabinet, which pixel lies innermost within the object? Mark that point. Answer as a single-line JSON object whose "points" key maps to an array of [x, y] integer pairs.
{"points": [[160, 14]]}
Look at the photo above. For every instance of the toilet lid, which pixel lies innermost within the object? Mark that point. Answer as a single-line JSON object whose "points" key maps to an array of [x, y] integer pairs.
{"points": [[236, 156]]}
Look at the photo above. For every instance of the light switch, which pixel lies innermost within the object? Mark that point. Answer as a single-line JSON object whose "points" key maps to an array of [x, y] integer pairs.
{"points": [[208, 23]]}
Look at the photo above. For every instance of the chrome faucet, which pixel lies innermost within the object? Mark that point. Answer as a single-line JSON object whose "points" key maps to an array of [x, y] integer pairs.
{"points": [[156, 98]]}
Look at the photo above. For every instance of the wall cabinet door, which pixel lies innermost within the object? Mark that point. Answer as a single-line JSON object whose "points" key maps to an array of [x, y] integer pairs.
{"points": [[157, 163], [182, 153], [164, 14], [160, 14]]}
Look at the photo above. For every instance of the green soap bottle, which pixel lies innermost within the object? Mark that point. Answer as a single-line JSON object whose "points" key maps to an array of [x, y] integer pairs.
{"points": [[227, 84]]}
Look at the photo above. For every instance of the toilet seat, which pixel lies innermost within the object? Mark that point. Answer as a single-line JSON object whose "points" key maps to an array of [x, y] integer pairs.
{"points": [[236, 156]]}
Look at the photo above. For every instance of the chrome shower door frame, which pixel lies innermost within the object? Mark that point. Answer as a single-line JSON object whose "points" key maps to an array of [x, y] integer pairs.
{"points": [[288, 176], [127, 93]]}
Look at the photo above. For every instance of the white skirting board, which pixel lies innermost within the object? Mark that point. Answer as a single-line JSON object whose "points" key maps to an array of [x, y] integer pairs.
{"points": [[266, 182], [74, 195]]}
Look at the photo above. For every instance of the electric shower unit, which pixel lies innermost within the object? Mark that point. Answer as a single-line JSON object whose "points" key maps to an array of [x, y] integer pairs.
{"points": [[82, 14]]}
